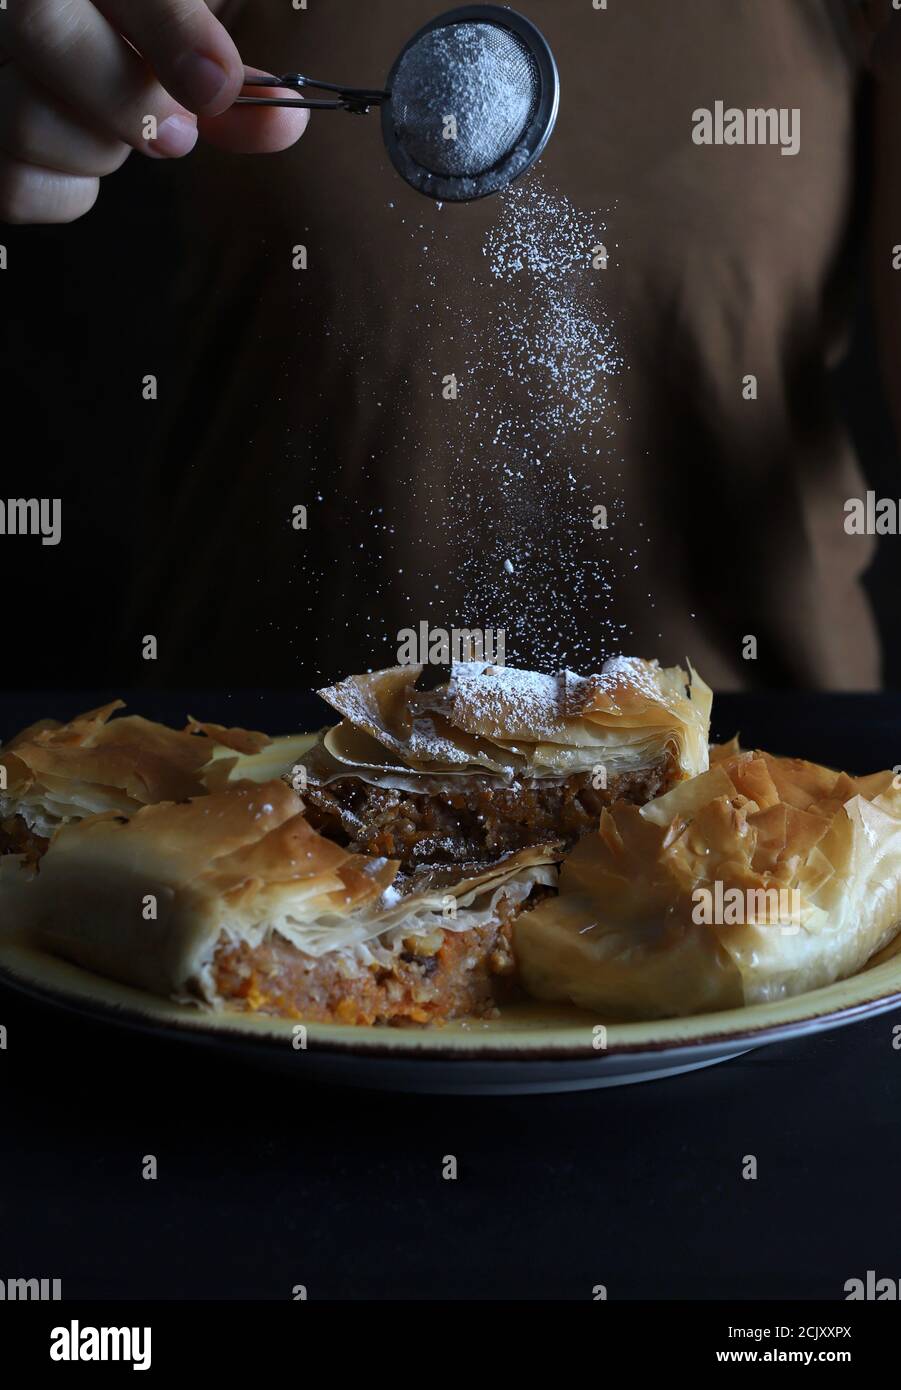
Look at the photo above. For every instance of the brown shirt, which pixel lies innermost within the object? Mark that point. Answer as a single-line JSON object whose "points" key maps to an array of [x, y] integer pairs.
{"points": [[324, 387]]}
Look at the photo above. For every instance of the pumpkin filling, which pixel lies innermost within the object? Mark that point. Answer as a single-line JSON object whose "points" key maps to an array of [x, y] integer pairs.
{"points": [[473, 821], [443, 975]]}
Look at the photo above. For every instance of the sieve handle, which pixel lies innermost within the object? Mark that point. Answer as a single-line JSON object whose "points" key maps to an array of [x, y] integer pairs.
{"points": [[354, 99]]}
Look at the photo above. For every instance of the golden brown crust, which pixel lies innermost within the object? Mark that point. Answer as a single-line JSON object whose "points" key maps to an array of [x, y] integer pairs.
{"points": [[496, 759], [763, 878], [244, 741], [512, 723], [57, 773], [243, 888]]}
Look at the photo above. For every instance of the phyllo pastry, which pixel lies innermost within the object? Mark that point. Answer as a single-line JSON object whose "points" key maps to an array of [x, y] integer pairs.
{"points": [[52, 774], [233, 899], [497, 759], [763, 878]]}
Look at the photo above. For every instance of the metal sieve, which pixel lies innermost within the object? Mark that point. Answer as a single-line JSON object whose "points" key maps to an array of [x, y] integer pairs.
{"points": [[470, 102]]}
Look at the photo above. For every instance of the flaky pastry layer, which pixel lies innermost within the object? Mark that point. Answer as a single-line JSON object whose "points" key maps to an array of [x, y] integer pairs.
{"points": [[762, 878]]}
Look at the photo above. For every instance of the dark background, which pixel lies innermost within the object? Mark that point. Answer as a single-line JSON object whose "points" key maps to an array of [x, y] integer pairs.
{"points": [[73, 425], [267, 1181]]}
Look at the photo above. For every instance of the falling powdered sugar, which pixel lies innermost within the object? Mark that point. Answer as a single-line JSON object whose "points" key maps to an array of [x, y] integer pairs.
{"points": [[553, 335], [533, 451], [503, 472]]}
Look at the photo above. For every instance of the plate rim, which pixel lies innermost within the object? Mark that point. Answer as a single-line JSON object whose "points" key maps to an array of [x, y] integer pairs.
{"points": [[138, 1009]]}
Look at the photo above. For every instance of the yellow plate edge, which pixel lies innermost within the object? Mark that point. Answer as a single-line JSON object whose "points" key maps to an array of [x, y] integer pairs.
{"points": [[523, 1030]]}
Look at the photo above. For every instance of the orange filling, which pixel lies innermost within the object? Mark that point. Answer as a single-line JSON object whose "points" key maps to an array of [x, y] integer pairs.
{"points": [[445, 975]]}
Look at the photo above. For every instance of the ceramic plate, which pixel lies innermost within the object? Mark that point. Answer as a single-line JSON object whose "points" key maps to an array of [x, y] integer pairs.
{"points": [[532, 1047]]}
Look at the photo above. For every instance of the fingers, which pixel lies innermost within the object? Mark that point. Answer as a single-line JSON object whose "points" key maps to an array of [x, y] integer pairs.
{"points": [[29, 194], [34, 129], [256, 129], [189, 50], [68, 47], [78, 90]]}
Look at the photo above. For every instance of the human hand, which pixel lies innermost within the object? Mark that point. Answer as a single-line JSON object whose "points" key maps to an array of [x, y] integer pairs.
{"points": [[85, 82]]}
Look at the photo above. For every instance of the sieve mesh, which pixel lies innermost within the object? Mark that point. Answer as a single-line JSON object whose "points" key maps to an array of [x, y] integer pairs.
{"points": [[483, 77]]}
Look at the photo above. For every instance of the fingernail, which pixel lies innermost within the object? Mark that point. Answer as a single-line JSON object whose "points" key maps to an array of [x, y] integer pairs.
{"points": [[199, 80], [176, 136]]}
